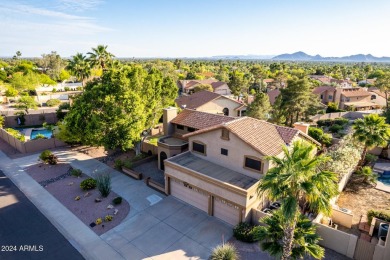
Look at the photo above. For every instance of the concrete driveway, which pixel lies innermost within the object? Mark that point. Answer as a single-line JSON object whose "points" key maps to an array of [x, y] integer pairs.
{"points": [[169, 229]]}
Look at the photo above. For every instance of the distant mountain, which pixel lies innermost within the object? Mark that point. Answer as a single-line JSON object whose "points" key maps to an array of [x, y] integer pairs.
{"points": [[242, 57], [301, 56]]}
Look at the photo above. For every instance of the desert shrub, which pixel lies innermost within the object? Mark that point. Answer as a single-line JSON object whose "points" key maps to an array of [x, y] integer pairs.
{"points": [[103, 183], [98, 221], [40, 136], [370, 158], [368, 175], [335, 128], [377, 214], [79, 88], [128, 164], [319, 135], [139, 157], [245, 232], [66, 88], [341, 121], [333, 107], [118, 164], [108, 218], [1, 121], [76, 172], [48, 157], [48, 126], [324, 122], [88, 184], [53, 102], [15, 133], [54, 90], [224, 252], [117, 200]]}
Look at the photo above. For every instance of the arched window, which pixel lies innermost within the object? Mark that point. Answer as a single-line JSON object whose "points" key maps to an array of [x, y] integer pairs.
{"points": [[373, 97], [225, 111]]}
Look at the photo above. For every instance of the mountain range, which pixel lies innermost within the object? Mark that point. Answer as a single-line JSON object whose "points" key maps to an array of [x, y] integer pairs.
{"points": [[301, 56]]}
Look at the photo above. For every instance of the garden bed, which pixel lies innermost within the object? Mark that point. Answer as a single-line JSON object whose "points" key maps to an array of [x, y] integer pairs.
{"points": [[66, 189]]}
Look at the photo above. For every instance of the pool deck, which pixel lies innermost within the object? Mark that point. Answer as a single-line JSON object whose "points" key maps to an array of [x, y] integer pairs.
{"points": [[380, 168]]}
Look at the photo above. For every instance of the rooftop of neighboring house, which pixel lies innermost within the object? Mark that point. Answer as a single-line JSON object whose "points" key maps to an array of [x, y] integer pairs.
{"points": [[266, 138], [199, 99], [355, 92], [272, 95], [199, 120], [377, 91], [268, 80], [186, 84], [368, 81], [322, 89]]}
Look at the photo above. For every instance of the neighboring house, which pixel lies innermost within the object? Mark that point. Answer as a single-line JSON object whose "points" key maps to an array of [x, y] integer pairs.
{"points": [[219, 87], [367, 82], [211, 102], [327, 80], [377, 96], [220, 172], [348, 98]]}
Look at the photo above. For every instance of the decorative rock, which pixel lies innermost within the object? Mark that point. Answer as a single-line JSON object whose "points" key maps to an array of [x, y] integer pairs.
{"points": [[77, 198], [70, 183], [87, 194], [116, 211], [98, 200], [110, 207]]}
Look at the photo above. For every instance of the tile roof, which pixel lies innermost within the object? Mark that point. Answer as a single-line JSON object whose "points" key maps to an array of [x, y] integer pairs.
{"points": [[377, 91], [199, 120], [217, 84], [197, 99], [321, 89], [264, 137], [272, 95], [355, 92], [191, 83]]}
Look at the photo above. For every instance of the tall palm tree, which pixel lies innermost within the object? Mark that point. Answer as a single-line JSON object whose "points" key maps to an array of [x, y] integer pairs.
{"points": [[80, 67], [100, 57], [297, 182], [305, 237], [371, 131]]}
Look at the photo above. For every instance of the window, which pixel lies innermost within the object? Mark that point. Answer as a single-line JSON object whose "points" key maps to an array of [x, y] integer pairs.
{"points": [[322, 96], [330, 97], [181, 127], [190, 129], [225, 134], [225, 111], [252, 164], [373, 97], [224, 151], [199, 148]]}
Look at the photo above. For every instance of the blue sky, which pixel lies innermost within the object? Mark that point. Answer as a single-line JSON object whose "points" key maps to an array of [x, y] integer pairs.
{"points": [[195, 28]]}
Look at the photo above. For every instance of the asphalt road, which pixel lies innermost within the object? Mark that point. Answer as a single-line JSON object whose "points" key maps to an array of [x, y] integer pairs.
{"points": [[25, 233]]}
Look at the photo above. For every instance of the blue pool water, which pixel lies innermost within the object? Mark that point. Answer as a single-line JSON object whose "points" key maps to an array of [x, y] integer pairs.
{"points": [[45, 132]]}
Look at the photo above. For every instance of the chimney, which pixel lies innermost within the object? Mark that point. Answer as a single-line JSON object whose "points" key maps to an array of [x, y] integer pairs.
{"points": [[303, 127], [168, 115]]}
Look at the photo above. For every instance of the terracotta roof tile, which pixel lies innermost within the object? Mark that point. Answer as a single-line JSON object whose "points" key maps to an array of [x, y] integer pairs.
{"points": [[321, 89], [272, 95], [355, 92], [197, 99], [200, 120]]}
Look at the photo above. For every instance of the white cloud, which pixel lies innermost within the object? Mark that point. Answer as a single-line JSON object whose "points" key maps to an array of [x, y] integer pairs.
{"points": [[79, 5]]}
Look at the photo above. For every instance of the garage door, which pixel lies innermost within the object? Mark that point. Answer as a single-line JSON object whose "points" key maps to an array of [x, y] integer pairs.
{"points": [[226, 211], [189, 194]]}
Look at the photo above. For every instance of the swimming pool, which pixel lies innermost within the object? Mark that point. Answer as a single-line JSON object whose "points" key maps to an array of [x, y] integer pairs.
{"points": [[45, 132]]}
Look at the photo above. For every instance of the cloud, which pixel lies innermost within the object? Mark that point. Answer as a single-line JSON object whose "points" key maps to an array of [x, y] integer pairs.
{"points": [[79, 5]]}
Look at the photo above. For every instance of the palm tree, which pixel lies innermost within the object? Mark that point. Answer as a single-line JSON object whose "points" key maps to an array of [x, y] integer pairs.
{"points": [[305, 237], [100, 57], [371, 131], [299, 185], [80, 67]]}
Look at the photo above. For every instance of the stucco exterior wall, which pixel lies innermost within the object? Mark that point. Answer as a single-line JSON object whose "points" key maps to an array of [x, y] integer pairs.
{"points": [[237, 149], [223, 90], [216, 106]]}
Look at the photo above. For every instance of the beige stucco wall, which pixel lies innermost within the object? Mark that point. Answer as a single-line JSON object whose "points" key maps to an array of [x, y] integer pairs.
{"points": [[237, 149], [379, 99], [223, 90], [216, 106], [342, 218]]}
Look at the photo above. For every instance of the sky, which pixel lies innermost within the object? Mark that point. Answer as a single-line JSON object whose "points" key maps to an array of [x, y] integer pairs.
{"points": [[195, 28]]}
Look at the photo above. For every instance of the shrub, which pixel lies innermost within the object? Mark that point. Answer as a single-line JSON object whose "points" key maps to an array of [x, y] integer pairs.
{"points": [[53, 102], [224, 252], [377, 214], [245, 232], [48, 126], [335, 128], [40, 136], [370, 158], [128, 164], [324, 122], [103, 182], [368, 175], [1, 121], [79, 88], [88, 184], [48, 157], [108, 218], [117, 200], [118, 164], [76, 172], [60, 113], [341, 121], [98, 221], [15, 133], [319, 135], [54, 90], [66, 88]]}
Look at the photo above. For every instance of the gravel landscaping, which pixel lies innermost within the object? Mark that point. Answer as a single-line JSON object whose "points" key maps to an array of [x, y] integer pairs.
{"points": [[65, 188]]}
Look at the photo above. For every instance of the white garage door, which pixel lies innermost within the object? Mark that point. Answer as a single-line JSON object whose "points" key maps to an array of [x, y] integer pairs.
{"points": [[226, 211], [190, 195]]}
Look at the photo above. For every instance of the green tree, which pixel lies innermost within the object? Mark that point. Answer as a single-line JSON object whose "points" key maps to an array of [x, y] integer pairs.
{"points": [[237, 83], [260, 108], [383, 83], [26, 103], [28, 81], [100, 57], [298, 183], [319, 135], [46, 80], [64, 75], [80, 67], [202, 87], [305, 240], [52, 64], [11, 92], [1, 121], [371, 131]]}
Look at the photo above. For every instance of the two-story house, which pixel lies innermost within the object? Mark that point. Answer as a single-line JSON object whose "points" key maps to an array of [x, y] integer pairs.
{"points": [[188, 86], [211, 102], [220, 171]]}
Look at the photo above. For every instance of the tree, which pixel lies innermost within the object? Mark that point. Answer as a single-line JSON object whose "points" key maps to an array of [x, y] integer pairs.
{"points": [[371, 131], [26, 103], [80, 67], [64, 75], [52, 64], [259, 74], [46, 80], [237, 83], [11, 92], [100, 57], [1, 121], [202, 87], [319, 135], [305, 240], [260, 107], [368, 175], [28, 81], [298, 183], [383, 83]]}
